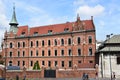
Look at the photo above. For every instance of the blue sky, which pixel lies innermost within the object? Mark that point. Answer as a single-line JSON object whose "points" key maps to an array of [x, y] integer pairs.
{"points": [[106, 13]]}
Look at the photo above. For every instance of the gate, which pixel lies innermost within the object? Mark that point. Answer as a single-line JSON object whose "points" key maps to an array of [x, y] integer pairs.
{"points": [[50, 73]]}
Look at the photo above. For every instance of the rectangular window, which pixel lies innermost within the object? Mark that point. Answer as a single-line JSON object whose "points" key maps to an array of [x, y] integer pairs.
{"points": [[49, 43], [90, 61], [18, 63], [31, 63], [56, 63], [62, 52], [90, 39], [49, 63], [55, 52], [79, 52], [43, 53], [37, 43], [90, 51], [49, 31], [79, 61], [62, 64], [118, 60], [23, 63], [70, 63], [37, 53], [43, 63], [43, 43], [49, 53], [69, 52]]}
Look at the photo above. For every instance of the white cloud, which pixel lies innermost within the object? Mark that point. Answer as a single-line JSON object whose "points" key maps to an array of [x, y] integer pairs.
{"points": [[87, 11]]}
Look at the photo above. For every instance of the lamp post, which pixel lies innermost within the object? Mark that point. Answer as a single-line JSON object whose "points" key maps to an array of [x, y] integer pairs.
{"points": [[108, 37]]}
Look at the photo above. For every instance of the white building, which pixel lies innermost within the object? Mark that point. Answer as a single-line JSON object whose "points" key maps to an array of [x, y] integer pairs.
{"points": [[109, 57]]}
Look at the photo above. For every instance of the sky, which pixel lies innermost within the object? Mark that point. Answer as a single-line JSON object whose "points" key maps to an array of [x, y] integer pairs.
{"points": [[106, 14]]}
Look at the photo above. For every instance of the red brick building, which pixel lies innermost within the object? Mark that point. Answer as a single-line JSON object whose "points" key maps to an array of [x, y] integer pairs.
{"points": [[58, 46]]}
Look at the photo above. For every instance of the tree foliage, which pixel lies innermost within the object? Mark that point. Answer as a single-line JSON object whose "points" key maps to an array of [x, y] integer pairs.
{"points": [[36, 66]]}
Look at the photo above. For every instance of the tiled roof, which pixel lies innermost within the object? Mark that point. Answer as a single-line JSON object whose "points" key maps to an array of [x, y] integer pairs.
{"points": [[114, 39], [56, 28], [111, 49]]}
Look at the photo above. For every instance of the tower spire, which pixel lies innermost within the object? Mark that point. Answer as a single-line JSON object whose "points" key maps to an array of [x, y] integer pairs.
{"points": [[13, 20]]}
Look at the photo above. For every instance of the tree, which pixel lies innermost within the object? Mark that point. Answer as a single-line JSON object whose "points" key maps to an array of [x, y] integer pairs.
{"points": [[36, 66]]}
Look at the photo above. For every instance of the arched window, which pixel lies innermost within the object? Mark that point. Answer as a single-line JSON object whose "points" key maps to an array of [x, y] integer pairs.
{"points": [[78, 40], [90, 51], [62, 52], [90, 39], [62, 41], [23, 53], [55, 52], [43, 43], [69, 41], [11, 45], [43, 52]]}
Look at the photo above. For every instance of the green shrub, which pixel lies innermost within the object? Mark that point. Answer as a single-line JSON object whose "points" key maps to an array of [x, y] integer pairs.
{"points": [[36, 66]]}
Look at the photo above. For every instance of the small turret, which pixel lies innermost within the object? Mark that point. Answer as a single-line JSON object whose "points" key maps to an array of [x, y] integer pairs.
{"points": [[13, 23]]}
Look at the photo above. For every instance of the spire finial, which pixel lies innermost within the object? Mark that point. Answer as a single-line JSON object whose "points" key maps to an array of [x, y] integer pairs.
{"points": [[78, 17], [13, 20]]}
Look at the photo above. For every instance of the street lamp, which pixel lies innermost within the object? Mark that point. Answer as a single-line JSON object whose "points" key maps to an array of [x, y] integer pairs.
{"points": [[108, 37]]}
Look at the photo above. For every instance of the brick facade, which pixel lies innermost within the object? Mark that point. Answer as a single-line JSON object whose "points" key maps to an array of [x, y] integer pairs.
{"points": [[64, 46]]}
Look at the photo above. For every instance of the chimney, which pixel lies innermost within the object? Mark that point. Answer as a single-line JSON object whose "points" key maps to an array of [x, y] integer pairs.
{"points": [[91, 17]]}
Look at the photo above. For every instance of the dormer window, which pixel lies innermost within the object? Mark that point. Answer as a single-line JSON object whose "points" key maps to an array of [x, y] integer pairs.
{"points": [[35, 33], [66, 29], [23, 33], [49, 31]]}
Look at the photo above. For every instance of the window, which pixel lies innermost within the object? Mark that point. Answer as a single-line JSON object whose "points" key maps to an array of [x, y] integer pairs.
{"points": [[66, 29], [55, 52], [70, 63], [49, 63], [69, 41], [23, 53], [37, 43], [35, 33], [90, 61], [78, 40], [79, 61], [49, 43], [10, 63], [23, 44], [10, 54], [56, 63], [90, 39], [49, 31], [69, 52], [62, 52], [62, 64], [18, 63], [23, 63], [90, 51], [42, 42], [55, 42], [79, 52], [31, 53], [43, 62], [37, 53], [18, 53], [23, 33], [31, 63], [18, 44], [62, 42], [118, 60], [49, 53], [11, 45], [31, 43], [43, 53]]}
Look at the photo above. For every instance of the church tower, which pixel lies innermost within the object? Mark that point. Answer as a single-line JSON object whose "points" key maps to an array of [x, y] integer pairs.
{"points": [[13, 23]]}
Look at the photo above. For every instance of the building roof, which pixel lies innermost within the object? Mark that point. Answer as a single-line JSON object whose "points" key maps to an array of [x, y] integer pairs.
{"points": [[55, 28], [107, 49], [114, 39]]}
